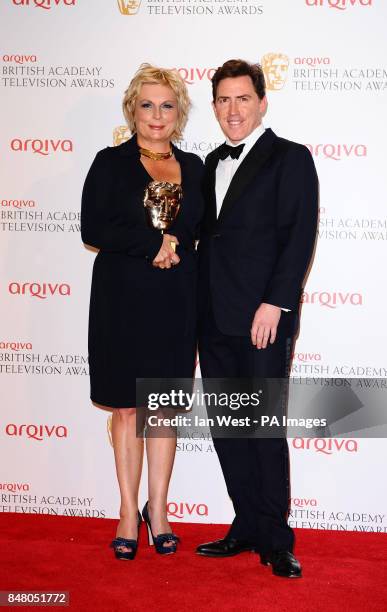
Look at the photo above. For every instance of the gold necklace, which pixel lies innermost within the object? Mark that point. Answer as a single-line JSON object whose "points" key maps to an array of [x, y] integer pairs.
{"points": [[155, 156]]}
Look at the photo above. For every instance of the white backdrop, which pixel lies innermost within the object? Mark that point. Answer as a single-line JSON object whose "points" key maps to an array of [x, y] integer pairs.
{"points": [[64, 65]]}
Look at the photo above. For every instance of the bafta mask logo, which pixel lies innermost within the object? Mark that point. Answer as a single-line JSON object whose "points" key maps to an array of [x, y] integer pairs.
{"points": [[121, 134], [275, 67], [128, 7], [162, 203]]}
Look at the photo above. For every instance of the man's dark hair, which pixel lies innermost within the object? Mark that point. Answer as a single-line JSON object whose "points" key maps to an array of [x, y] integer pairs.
{"points": [[235, 68]]}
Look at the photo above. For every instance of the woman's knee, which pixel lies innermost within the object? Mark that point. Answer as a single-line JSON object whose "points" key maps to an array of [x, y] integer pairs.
{"points": [[124, 414]]}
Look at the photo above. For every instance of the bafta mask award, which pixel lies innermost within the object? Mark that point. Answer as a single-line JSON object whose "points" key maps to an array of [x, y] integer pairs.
{"points": [[129, 7], [162, 203]]}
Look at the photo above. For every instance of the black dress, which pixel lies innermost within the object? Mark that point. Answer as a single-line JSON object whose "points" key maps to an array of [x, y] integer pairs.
{"points": [[142, 320]]}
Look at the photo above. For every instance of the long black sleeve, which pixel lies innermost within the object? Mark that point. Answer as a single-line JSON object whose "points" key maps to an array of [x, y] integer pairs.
{"points": [[105, 227], [296, 227]]}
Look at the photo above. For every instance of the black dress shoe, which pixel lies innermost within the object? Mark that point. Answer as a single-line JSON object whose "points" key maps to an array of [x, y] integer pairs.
{"points": [[283, 563], [228, 547]]}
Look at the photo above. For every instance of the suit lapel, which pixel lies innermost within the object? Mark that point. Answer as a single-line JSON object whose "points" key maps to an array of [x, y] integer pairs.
{"points": [[247, 171]]}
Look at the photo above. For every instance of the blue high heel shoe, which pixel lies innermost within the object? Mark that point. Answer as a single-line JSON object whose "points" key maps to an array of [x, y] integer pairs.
{"points": [[120, 543], [161, 538]]}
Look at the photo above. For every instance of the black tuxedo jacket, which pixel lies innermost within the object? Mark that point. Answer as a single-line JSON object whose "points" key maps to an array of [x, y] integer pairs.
{"points": [[259, 247]]}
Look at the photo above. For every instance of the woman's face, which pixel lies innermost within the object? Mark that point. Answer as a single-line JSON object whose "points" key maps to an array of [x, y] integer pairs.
{"points": [[155, 114]]}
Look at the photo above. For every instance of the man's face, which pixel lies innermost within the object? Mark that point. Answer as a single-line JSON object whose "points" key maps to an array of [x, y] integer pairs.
{"points": [[238, 108], [276, 73]]}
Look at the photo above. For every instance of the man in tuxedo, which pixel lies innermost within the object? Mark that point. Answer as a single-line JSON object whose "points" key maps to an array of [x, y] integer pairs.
{"points": [[256, 244]]}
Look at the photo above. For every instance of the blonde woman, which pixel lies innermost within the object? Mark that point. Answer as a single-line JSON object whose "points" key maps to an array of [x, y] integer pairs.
{"points": [[142, 305]]}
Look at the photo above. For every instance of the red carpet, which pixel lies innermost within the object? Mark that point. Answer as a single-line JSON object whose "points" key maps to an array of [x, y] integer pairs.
{"points": [[342, 571]]}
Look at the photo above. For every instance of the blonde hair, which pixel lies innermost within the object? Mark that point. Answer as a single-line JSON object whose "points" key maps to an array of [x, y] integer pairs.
{"points": [[161, 76]]}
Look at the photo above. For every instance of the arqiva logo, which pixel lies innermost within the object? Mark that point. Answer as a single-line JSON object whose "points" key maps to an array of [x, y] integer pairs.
{"points": [[44, 4], [337, 151], [332, 299], [20, 59], [338, 4], [192, 75], [15, 346], [14, 487], [17, 203], [36, 432], [303, 502], [327, 446], [39, 290], [312, 61], [184, 509], [43, 147], [307, 357]]}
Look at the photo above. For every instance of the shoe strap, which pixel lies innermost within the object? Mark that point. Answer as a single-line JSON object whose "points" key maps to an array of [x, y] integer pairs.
{"points": [[166, 537], [123, 542]]}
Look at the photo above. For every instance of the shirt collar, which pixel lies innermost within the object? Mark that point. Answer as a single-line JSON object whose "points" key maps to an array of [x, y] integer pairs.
{"points": [[250, 140]]}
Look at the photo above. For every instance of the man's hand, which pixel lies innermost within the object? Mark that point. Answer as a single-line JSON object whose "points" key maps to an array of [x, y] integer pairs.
{"points": [[265, 323], [166, 257]]}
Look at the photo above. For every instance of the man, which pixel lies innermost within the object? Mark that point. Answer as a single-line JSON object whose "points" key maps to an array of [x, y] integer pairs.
{"points": [[256, 244]]}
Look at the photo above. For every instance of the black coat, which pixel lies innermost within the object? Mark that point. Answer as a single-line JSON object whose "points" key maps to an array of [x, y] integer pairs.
{"points": [[141, 318], [259, 248]]}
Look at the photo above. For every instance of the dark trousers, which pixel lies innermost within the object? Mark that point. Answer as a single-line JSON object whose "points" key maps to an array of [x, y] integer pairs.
{"points": [[256, 470]]}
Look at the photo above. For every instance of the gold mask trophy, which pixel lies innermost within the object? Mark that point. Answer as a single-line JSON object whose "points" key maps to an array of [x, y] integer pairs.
{"points": [[162, 203]]}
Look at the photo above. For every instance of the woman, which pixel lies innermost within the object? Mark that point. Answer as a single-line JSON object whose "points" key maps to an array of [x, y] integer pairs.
{"points": [[142, 305]]}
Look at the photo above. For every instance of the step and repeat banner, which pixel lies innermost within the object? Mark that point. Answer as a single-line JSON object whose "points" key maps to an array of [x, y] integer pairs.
{"points": [[64, 65]]}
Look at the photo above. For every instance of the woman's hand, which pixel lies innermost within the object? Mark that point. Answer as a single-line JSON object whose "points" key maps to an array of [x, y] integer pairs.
{"points": [[166, 257]]}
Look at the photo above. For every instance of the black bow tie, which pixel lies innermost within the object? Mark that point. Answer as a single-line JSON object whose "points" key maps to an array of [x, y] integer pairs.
{"points": [[226, 150]]}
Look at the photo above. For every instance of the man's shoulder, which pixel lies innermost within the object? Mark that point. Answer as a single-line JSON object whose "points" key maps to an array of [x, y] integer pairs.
{"points": [[294, 156], [291, 147]]}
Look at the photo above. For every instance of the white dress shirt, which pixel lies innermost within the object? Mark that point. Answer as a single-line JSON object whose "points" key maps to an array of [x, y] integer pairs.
{"points": [[227, 167]]}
